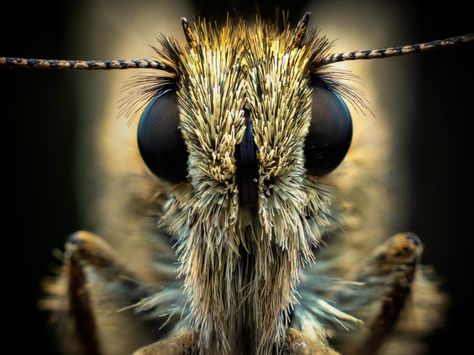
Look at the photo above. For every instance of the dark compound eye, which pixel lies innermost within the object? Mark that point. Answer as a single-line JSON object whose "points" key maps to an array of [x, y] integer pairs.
{"points": [[330, 132], [160, 141]]}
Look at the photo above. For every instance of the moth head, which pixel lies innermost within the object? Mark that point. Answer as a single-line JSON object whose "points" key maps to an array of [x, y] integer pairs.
{"points": [[248, 115], [246, 130]]}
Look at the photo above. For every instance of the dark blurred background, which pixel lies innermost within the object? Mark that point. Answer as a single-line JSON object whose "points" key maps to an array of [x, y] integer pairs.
{"points": [[38, 155]]}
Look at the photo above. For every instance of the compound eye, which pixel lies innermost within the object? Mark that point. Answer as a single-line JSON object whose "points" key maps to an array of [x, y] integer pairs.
{"points": [[160, 140], [330, 132]]}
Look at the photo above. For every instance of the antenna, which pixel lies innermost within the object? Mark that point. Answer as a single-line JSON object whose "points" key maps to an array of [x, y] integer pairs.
{"points": [[13, 62], [397, 51]]}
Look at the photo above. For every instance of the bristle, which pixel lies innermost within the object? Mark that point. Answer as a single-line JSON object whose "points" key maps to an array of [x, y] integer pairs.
{"points": [[189, 34], [300, 31], [142, 88], [230, 283]]}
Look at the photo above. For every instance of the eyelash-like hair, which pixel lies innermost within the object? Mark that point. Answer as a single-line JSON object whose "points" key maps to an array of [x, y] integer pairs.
{"points": [[141, 89]]}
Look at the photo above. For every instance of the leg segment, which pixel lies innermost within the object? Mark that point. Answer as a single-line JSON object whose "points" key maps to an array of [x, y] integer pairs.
{"points": [[387, 281], [399, 258], [85, 250], [80, 308]]}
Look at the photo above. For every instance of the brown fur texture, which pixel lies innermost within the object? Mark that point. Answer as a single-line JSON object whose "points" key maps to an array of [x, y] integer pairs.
{"points": [[241, 269], [247, 281]]}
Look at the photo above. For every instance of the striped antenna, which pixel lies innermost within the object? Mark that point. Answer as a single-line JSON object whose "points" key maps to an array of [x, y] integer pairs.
{"points": [[397, 51], [13, 62]]}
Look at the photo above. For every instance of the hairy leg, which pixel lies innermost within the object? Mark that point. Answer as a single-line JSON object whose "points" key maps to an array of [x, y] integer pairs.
{"points": [[399, 258], [86, 256], [387, 281]]}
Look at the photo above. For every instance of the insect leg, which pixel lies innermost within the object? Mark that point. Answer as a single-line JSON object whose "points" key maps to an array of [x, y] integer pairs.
{"points": [[87, 255], [389, 277], [80, 308]]}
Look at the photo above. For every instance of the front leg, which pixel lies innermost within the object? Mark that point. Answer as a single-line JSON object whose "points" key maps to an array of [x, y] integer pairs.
{"points": [[91, 267], [85, 249], [399, 257], [387, 281]]}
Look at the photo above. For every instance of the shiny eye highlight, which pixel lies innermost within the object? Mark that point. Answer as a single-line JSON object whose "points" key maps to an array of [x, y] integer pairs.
{"points": [[160, 141], [330, 132]]}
